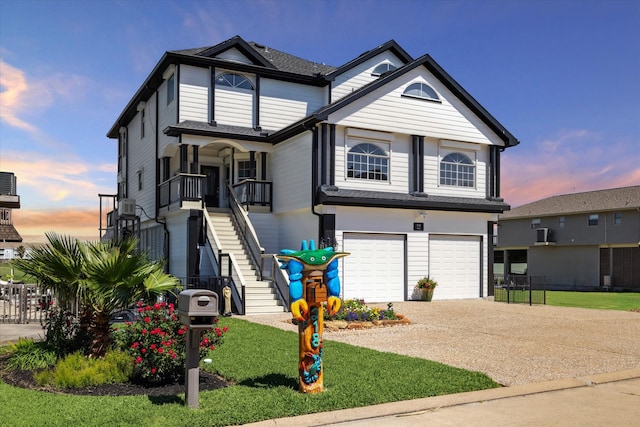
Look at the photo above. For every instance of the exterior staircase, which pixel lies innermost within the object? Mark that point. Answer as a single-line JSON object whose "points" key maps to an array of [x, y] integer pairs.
{"points": [[260, 297]]}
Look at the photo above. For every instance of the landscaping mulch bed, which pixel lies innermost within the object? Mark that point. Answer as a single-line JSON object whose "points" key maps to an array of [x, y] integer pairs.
{"points": [[337, 325], [24, 379]]}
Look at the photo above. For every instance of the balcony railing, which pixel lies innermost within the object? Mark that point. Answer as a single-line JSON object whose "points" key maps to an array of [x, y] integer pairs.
{"points": [[182, 188], [253, 192]]}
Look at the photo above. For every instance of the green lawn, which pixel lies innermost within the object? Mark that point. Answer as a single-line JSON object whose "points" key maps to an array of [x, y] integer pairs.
{"points": [[602, 300], [18, 275], [262, 362]]}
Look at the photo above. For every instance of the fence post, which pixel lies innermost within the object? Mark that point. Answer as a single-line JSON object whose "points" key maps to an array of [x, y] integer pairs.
{"points": [[530, 292]]}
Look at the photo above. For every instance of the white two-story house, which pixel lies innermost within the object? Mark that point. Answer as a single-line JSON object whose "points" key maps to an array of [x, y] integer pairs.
{"points": [[228, 154]]}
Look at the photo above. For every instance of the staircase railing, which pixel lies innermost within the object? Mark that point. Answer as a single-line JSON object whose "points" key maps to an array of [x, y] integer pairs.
{"points": [[274, 273], [227, 266], [248, 233]]}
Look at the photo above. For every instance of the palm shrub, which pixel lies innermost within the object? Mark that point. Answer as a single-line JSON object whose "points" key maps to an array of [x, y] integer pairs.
{"points": [[103, 276], [157, 343]]}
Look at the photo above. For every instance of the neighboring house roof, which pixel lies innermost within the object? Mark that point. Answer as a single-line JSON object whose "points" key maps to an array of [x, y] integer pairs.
{"points": [[331, 195], [8, 233], [613, 199]]}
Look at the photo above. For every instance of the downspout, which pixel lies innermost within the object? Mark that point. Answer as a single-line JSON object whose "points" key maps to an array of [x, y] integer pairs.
{"points": [[165, 249], [314, 172]]}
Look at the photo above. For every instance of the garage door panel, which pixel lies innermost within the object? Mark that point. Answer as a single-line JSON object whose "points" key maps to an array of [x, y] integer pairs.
{"points": [[375, 270], [454, 262]]}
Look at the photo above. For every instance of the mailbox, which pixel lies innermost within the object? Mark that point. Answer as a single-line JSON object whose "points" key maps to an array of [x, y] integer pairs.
{"points": [[198, 308]]}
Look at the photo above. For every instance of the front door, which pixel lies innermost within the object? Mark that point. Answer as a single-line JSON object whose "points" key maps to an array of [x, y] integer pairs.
{"points": [[211, 186]]}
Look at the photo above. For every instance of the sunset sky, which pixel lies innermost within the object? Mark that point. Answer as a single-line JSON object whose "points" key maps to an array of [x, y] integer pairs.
{"points": [[562, 76]]}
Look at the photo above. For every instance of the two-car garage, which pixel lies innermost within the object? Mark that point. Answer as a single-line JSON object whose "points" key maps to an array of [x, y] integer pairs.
{"points": [[377, 268]]}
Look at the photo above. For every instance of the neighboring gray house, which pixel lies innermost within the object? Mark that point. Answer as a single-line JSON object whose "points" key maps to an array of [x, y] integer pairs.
{"points": [[585, 240], [229, 153]]}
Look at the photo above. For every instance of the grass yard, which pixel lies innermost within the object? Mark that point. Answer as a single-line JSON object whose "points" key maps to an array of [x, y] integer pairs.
{"points": [[262, 362], [601, 300], [18, 275]]}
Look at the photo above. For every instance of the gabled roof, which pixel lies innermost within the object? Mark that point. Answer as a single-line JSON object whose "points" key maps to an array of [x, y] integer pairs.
{"points": [[8, 233], [391, 45], [614, 199], [429, 63]]}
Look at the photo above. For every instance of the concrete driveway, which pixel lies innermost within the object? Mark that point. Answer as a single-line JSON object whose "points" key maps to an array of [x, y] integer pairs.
{"points": [[513, 344]]}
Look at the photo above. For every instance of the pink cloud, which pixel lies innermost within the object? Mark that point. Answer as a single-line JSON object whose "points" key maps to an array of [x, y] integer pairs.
{"points": [[80, 223], [574, 161]]}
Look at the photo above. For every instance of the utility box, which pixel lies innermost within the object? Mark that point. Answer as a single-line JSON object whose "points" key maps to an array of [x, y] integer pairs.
{"points": [[198, 308]]}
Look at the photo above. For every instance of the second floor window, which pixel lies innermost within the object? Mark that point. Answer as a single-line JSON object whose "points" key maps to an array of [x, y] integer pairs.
{"points": [[593, 220], [457, 170], [368, 161], [617, 218], [234, 80]]}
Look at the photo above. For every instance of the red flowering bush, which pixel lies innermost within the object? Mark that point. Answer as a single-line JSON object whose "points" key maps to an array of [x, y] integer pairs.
{"points": [[157, 342]]}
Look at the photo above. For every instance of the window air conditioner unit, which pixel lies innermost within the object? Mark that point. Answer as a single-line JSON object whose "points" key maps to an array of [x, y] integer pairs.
{"points": [[127, 207], [544, 235]]}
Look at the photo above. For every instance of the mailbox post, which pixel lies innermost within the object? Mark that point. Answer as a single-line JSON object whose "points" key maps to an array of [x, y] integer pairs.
{"points": [[198, 310]]}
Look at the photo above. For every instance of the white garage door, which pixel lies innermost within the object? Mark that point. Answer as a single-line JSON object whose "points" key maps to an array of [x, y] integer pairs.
{"points": [[454, 262], [375, 270]]}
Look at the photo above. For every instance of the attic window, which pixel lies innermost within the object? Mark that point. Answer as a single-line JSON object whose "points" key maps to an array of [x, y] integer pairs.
{"points": [[422, 91], [234, 80], [382, 68]]}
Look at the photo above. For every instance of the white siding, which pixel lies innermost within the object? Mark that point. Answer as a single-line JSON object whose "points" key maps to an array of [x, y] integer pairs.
{"points": [[194, 93], [290, 171], [387, 110], [233, 54], [141, 157], [266, 227], [296, 226], [177, 226], [234, 106], [283, 103], [360, 75]]}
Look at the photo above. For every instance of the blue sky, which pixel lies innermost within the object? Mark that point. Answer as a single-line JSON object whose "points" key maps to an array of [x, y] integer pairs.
{"points": [[562, 76]]}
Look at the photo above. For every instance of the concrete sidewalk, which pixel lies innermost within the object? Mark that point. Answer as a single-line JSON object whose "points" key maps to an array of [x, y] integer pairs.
{"points": [[10, 332], [610, 400]]}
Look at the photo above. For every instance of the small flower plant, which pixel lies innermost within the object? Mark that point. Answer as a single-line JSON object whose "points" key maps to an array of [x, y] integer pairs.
{"points": [[426, 283], [157, 343], [356, 310]]}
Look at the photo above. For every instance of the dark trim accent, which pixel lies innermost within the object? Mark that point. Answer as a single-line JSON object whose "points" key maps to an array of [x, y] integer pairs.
{"points": [[497, 174], [256, 103], [490, 255], [157, 159], [194, 238], [406, 201], [332, 154], [252, 164], [195, 165], [263, 158], [212, 98], [421, 164], [327, 228], [314, 165], [492, 170], [323, 153], [177, 89], [481, 263]]}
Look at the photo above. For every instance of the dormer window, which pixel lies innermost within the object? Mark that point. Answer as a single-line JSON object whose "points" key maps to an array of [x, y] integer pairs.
{"points": [[382, 68], [234, 80], [422, 91]]}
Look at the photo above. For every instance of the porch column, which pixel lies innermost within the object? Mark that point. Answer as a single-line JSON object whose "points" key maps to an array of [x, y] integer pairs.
{"points": [[195, 166], [263, 160], [184, 158], [252, 165]]}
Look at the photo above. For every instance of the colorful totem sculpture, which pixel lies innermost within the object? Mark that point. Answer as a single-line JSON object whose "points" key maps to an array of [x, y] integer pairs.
{"points": [[313, 277]]}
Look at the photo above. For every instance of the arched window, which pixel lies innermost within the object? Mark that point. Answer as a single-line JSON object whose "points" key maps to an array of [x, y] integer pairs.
{"points": [[367, 161], [234, 80], [382, 68], [457, 170], [422, 91]]}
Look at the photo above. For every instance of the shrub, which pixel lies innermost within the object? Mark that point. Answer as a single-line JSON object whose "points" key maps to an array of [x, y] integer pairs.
{"points": [[357, 310], [29, 355], [64, 334], [78, 371], [157, 343]]}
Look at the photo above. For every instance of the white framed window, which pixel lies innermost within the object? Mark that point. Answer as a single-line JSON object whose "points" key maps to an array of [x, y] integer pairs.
{"points": [[234, 80], [421, 91], [617, 218], [457, 170], [535, 223], [383, 68], [244, 169], [561, 222], [171, 89], [593, 220], [368, 161]]}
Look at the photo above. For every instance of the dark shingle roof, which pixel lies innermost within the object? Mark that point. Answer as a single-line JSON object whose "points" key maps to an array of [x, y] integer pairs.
{"points": [[201, 128], [623, 198]]}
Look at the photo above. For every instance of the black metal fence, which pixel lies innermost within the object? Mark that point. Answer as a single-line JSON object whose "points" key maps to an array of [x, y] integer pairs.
{"points": [[520, 289]]}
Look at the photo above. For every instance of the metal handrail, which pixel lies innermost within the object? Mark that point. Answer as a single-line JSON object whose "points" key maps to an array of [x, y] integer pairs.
{"points": [[277, 277], [248, 233]]}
